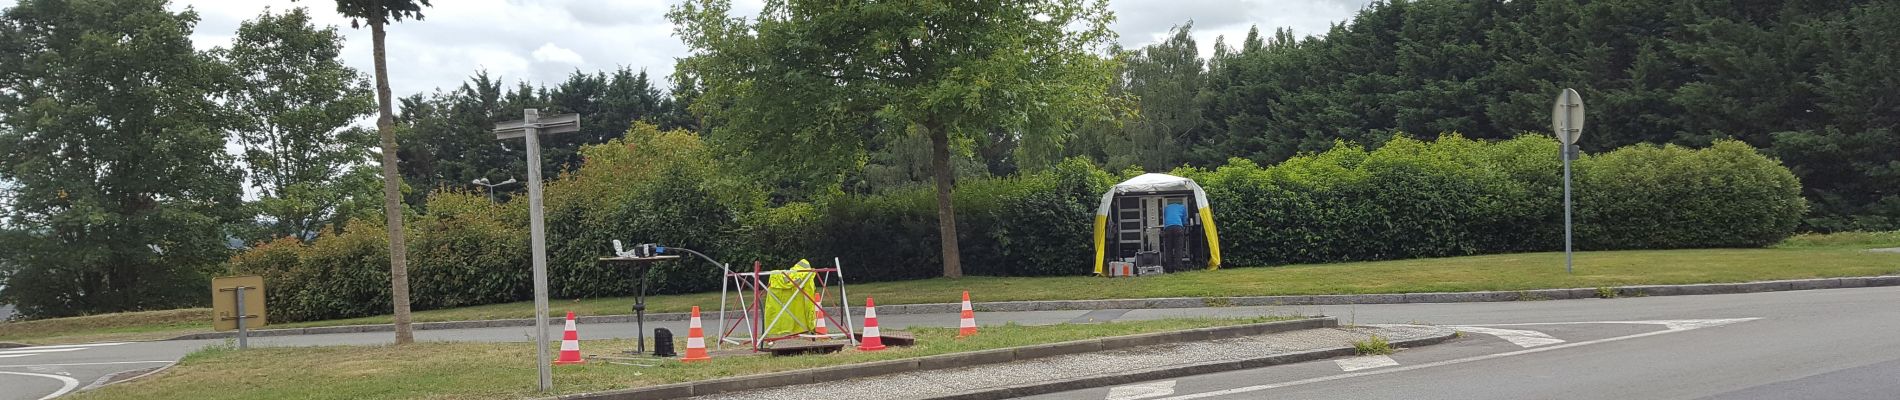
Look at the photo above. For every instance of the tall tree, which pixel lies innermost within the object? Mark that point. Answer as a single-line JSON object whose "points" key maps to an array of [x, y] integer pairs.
{"points": [[1165, 78], [114, 150], [795, 89], [297, 101], [379, 13]]}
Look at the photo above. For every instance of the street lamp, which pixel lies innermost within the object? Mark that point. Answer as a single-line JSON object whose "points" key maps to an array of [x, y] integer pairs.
{"points": [[491, 188]]}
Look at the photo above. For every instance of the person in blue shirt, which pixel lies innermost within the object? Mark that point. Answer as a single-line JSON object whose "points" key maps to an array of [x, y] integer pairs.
{"points": [[1173, 236]]}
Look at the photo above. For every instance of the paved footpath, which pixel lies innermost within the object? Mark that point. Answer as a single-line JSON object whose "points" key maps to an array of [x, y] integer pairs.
{"points": [[1818, 343]]}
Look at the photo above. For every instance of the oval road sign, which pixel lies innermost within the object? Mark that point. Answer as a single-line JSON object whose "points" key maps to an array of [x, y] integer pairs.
{"points": [[1566, 117]]}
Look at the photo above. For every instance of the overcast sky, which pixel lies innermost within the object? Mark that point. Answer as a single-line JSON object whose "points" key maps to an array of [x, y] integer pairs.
{"points": [[542, 41]]}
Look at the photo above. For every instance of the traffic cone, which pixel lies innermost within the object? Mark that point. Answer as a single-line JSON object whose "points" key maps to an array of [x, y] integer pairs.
{"points": [[570, 344], [819, 326], [872, 340], [695, 340], [967, 327]]}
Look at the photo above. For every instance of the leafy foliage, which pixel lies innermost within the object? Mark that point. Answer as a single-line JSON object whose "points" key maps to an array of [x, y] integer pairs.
{"points": [[796, 94], [115, 156], [296, 100], [1806, 81]]}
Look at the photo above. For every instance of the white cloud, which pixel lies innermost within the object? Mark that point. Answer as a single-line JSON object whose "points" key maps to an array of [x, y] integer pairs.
{"points": [[551, 53]]}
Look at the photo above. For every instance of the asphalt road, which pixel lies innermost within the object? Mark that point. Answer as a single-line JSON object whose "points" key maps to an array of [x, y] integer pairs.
{"points": [[1837, 344], [1820, 344]]}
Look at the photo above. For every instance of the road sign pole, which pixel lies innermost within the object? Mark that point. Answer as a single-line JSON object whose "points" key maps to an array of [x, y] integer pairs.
{"points": [[243, 333], [1567, 237], [537, 232], [1566, 120], [530, 128]]}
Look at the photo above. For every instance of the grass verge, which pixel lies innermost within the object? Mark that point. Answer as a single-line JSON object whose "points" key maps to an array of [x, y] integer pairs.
{"points": [[507, 370], [1806, 256]]}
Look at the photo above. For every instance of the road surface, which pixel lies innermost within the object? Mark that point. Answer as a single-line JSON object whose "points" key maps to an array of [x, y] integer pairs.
{"points": [[1838, 344]]}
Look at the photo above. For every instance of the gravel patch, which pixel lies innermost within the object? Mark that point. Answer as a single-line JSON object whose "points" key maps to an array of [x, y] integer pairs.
{"points": [[927, 384]]}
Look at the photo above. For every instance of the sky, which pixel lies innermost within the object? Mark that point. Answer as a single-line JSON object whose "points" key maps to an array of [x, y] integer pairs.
{"points": [[542, 41]]}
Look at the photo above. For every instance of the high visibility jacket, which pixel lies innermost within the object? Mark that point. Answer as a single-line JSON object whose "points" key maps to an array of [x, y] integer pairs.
{"points": [[792, 287]]}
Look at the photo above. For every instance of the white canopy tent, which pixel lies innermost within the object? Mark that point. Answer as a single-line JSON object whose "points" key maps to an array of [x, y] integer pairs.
{"points": [[1149, 185]]}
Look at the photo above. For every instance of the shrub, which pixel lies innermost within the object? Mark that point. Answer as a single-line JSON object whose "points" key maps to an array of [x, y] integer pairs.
{"points": [[277, 261], [1032, 225], [1456, 196], [1650, 197], [648, 187], [341, 276], [464, 254]]}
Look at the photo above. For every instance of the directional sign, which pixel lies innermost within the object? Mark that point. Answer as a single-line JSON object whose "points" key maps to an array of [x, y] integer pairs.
{"points": [[563, 123], [1566, 117]]}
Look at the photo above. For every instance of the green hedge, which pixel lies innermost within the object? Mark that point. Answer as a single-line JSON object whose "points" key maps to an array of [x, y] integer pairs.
{"points": [[1405, 199], [1456, 196], [1649, 197], [1032, 225]]}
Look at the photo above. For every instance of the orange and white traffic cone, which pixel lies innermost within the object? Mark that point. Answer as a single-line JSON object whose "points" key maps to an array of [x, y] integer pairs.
{"points": [[570, 344], [695, 340], [967, 327], [872, 340], [819, 327]]}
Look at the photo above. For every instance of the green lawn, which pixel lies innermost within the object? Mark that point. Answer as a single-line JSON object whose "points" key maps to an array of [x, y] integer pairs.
{"points": [[507, 370], [1807, 256]]}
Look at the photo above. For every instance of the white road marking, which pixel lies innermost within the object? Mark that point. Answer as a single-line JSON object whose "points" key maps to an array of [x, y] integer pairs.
{"points": [[1670, 327], [69, 383], [67, 345], [1141, 391], [1365, 362], [1668, 323], [75, 364], [40, 351], [1522, 338]]}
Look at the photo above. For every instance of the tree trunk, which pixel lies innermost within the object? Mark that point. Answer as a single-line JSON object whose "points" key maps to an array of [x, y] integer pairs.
{"points": [[392, 185], [946, 213]]}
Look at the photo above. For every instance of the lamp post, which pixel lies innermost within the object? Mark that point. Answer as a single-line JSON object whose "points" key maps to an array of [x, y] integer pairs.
{"points": [[483, 182]]}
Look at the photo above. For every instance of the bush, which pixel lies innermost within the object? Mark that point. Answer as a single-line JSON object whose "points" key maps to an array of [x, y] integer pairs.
{"points": [[1032, 225], [1649, 197], [648, 187], [340, 276], [464, 254], [1456, 196]]}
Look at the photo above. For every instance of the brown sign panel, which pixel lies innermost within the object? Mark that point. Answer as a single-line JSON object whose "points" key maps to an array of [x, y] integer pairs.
{"points": [[224, 302]]}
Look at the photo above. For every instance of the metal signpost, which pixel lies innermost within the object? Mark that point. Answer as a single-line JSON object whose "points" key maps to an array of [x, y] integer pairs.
{"points": [[531, 126], [242, 309], [1566, 119]]}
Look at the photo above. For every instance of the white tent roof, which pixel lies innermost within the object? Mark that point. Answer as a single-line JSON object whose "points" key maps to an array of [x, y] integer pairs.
{"points": [[1153, 182]]}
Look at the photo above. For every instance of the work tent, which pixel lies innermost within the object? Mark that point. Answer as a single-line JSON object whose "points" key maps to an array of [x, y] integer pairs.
{"points": [[1136, 208]]}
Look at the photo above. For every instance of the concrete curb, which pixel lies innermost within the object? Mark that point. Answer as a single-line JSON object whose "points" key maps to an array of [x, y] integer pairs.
{"points": [[799, 377], [1169, 302], [106, 380], [1010, 392]]}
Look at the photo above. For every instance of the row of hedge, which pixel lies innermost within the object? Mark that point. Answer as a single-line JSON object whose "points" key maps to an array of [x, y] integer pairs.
{"points": [[1405, 199]]}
